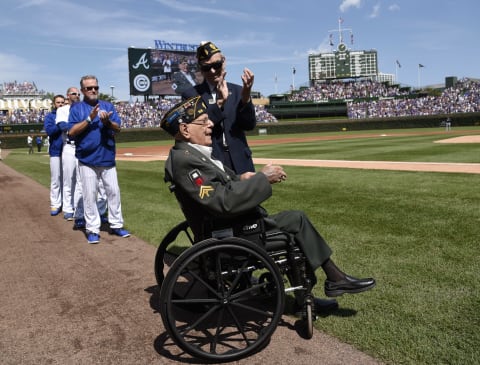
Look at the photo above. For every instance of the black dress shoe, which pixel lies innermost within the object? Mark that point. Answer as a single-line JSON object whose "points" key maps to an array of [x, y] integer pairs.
{"points": [[349, 285], [325, 305], [320, 306]]}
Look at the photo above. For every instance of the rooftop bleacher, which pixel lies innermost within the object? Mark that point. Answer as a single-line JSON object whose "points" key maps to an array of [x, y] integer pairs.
{"points": [[15, 88], [370, 99]]}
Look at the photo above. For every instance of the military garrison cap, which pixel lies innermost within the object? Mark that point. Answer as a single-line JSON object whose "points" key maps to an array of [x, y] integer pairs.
{"points": [[206, 50], [184, 112]]}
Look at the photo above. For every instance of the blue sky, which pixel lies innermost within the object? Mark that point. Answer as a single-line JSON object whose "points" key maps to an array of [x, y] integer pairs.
{"points": [[54, 43]]}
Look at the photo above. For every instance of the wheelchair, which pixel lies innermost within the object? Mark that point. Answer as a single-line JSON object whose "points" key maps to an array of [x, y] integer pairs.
{"points": [[222, 298]]}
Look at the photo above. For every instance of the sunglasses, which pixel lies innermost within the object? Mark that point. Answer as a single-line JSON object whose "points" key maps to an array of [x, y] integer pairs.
{"points": [[74, 94], [215, 65], [90, 88]]}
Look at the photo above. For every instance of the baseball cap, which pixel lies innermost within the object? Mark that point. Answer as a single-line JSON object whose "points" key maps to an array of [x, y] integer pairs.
{"points": [[184, 112]]}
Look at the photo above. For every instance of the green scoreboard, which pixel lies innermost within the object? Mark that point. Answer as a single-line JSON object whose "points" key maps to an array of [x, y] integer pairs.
{"points": [[341, 64]]}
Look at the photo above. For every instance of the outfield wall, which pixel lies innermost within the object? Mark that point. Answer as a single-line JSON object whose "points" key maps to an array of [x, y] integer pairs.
{"points": [[289, 110]]}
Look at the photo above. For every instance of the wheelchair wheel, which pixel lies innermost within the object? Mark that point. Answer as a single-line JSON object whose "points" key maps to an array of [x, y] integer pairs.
{"points": [[181, 229], [212, 304], [309, 317]]}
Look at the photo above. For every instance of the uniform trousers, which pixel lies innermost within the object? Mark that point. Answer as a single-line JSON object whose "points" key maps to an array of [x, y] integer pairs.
{"points": [[72, 193], [299, 226], [101, 199], [90, 177], [55, 182]]}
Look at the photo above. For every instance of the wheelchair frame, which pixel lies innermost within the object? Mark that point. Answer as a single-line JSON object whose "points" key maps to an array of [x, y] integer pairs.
{"points": [[222, 299]]}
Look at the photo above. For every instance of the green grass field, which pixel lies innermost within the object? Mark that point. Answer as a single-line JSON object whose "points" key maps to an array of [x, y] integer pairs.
{"points": [[415, 232]]}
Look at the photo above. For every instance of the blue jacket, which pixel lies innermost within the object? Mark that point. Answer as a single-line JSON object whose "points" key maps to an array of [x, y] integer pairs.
{"points": [[95, 146], [54, 132], [235, 118]]}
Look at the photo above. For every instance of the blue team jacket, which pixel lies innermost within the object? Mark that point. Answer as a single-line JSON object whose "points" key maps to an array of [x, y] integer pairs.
{"points": [[95, 146], [54, 135]]}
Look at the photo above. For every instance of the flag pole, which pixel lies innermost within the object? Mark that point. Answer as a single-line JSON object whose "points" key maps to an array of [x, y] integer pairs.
{"points": [[293, 77], [397, 66], [340, 21], [419, 67], [418, 78]]}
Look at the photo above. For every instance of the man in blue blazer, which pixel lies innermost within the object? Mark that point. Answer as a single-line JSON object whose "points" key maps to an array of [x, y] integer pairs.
{"points": [[229, 106]]}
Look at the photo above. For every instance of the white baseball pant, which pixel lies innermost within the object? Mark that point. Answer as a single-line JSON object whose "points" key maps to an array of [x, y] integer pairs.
{"points": [[55, 182], [69, 166], [90, 177]]}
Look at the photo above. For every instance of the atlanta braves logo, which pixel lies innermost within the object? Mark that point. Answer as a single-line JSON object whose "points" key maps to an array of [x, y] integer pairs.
{"points": [[142, 62]]}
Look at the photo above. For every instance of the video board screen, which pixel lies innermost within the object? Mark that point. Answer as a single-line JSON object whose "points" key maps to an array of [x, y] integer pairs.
{"points": [[161, 72]]}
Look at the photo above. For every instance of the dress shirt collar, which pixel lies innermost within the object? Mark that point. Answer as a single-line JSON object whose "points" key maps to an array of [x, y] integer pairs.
{"points": [[207, 152]]}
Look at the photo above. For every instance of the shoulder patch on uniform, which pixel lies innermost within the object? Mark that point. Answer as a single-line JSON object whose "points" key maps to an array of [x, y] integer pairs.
{"points": [[196, 177]]}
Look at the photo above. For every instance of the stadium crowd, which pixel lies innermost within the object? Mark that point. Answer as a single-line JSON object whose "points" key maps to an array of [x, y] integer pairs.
{"points": [[392, 101], [134, 115], [23, 116], [340, 90], [19, 88], [149, 115], [463, 97], [387, 101]]}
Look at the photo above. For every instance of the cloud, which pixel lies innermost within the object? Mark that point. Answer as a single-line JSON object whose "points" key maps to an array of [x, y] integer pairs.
{"points": [[216, 10], [375, 11], [394, 7], [30, 3], [347, 4], [323, 47], [17, 67]]}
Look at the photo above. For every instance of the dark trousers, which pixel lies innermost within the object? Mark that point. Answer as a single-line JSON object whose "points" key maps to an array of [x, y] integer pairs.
{"points": [[305, 234]]}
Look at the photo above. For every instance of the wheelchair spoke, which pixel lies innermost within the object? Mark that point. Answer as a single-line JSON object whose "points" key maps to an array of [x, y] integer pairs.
{"points": [[252, 290], [194, 301], [200, 319], [213, 345], [240, 272], [239, 326], [203, 282], [265, 313]]}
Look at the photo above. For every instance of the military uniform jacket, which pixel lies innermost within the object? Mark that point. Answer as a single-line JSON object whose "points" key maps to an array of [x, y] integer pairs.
{"points": [[211, 198]]}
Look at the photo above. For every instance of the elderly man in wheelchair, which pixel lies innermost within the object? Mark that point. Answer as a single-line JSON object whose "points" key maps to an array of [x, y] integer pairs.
{"points": [[223, 297]]}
